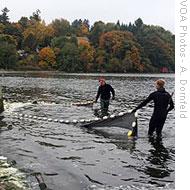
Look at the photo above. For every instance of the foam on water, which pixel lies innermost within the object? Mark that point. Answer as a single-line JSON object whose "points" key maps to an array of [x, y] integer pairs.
{"points": [[67, 154], [11, 176]]}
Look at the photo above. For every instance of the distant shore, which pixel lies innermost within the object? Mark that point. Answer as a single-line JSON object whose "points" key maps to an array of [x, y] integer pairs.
{"points": [[59, 73]]}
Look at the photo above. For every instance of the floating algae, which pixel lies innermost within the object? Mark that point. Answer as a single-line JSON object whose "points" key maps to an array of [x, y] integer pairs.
{"points": [[10, 177]]}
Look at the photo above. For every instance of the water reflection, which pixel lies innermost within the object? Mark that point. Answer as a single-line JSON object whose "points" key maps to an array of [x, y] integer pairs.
{"points": [[116, 136], [67, 154], [158, 158]]}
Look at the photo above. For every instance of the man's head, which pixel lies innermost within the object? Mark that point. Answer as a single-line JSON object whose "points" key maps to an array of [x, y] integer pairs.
{"points": [[102, 81], [159, 83]]}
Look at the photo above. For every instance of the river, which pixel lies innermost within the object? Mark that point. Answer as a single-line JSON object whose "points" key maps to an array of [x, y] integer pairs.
{"points": [[73, 158]]}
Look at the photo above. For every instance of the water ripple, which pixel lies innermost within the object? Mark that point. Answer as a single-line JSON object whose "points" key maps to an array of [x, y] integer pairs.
{"points": [[76, 158]]}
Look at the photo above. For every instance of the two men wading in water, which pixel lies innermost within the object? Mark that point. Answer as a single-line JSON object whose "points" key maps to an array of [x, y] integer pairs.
{"points": [[163, 103]]}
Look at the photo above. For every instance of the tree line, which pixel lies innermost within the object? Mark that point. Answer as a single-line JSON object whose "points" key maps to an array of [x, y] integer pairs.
{"points": [[31, 44]]}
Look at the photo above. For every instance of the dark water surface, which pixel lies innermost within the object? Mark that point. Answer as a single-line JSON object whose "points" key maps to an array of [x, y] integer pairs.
{"points": [[73, 158]]}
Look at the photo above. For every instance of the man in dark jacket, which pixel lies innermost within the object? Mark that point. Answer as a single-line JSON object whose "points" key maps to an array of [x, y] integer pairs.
{"points": [[163, 103], [104, 94]]}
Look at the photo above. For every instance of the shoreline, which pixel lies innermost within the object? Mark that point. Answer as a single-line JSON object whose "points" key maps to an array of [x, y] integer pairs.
{"points": [[59, 73]]}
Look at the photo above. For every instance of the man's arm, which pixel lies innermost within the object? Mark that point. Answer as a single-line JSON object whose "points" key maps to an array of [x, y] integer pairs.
{"points": [[98, 94], [113, 92], [171, 105], [146, 101]]}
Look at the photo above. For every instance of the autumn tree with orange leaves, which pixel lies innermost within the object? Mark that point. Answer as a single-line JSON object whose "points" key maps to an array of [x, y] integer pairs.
{"points": [[38, 35], [79, 47], [118, 45], [86, 53], [47, 58]]}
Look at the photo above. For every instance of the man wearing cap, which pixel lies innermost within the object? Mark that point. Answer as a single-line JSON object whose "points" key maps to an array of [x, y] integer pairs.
{"points": [[104, 94], [163, 103]]}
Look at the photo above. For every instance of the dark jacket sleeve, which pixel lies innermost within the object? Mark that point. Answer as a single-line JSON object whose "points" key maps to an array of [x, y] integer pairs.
{"points": [[146, 101], [98, 94], [171, 105], [112, 91]]}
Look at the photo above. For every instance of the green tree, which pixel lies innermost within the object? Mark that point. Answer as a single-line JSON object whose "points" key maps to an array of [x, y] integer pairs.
{"points": [[86, 55], [61, 27], [15, 30], [97, 29], [24, 22], [8, 53], [80, 28], [68, 58], [4, 19], [159, 47], [38, 35], [36, 16], [60, 41], [2, 27], [114, 65], [159, 53], [101, 60]]}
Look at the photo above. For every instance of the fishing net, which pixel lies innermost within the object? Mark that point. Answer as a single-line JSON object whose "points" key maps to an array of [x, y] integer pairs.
{"points": [[127, 121]]}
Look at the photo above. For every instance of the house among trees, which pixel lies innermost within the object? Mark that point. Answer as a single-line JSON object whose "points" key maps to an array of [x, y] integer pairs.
{"points": [[164, 70]]}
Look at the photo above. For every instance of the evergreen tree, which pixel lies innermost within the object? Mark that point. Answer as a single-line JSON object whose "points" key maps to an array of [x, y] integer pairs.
{"points": [[4, 19]]}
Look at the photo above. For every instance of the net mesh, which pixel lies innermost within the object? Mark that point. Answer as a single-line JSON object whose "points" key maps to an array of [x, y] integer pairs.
{"points": [[124, 121]]}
